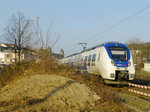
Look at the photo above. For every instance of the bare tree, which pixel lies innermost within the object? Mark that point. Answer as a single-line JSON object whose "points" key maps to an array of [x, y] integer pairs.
{"points": [[136, 46], [50, 39], [134, 41], [146, 53], [18, 30]]}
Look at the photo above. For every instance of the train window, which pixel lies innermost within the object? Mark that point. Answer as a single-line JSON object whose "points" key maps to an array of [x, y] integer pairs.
{"points": [[93, 57], [89, 59], [85, 59], [99, 57], [118, 53]]}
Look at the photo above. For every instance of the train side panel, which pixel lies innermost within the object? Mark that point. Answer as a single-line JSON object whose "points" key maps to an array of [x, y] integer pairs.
{"points": [[104, 64]]}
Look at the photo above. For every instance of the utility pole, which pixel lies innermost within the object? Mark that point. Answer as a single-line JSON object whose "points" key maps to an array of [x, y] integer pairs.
{"points": [[15, 51], [40, 41], [83, 45]]}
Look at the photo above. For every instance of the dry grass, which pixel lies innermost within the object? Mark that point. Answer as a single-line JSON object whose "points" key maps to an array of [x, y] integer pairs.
{"points": [[44, 65], [140, 74], [108, 102], [143, 75], [8, 73], [49, 65]]}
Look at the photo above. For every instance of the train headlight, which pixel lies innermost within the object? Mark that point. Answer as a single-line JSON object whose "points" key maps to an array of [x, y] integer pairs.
{"points": [[129, 63], [113, 63]]}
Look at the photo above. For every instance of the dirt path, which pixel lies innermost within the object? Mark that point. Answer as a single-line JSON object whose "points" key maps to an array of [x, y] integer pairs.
{"points": [[46, 93]]}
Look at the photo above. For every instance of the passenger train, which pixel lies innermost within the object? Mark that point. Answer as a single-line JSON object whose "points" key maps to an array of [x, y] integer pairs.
{"points": [[112, 61]]}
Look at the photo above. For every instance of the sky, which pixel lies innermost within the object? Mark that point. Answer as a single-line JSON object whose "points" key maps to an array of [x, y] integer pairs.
{"points": [[84, 21]]}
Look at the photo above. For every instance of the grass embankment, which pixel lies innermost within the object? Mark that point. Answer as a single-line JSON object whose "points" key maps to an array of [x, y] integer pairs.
{"points": [[140, 74], [108, 101], [143, 75]]}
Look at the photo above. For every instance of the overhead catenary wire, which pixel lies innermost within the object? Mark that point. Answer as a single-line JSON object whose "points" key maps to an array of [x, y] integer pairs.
{"points": [[141, 33], [118, 23]]}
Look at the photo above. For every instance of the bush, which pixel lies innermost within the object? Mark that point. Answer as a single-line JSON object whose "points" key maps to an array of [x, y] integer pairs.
{"points": [[44, 64], [10, 72]]}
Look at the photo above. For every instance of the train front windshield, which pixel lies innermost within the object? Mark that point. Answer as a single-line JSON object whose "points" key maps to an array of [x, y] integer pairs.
{"points": [[118, 53]]}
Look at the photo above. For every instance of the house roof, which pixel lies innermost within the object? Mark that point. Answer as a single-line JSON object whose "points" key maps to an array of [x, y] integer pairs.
{"points": [[6, 45]]}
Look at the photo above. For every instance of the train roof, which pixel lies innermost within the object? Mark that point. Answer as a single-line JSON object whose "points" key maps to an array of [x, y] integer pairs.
{"points": [[98, 46], [72, 55], [111, 42]]}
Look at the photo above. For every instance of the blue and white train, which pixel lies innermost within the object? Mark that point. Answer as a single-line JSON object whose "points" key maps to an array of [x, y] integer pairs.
{"points": [[111, 60]]}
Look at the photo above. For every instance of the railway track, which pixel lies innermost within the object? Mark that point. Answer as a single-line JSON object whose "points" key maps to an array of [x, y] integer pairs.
{"points": [[126, 93], [135, 95]]}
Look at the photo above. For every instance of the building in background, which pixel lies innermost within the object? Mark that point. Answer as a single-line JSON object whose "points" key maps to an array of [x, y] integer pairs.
{"points": [[28, 53], [7, 54], [59, 55]]}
